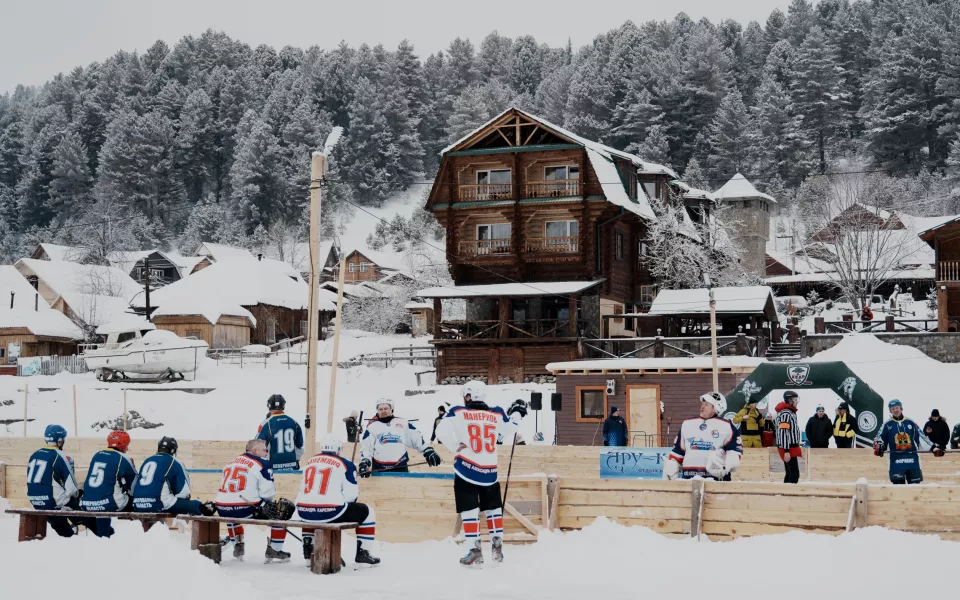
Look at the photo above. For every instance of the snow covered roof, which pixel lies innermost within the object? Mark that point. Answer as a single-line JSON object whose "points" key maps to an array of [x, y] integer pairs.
{"points": [[753, 299], [125, 322], [351, 290], [692, 193], [930, 224], [418, 306], [386, 260], [633, 364], [535, 288], [799, 262], [27, 312], [219, 252], [613, 189], [894, 275], [63, 253], [739, 188], [224, 287]]}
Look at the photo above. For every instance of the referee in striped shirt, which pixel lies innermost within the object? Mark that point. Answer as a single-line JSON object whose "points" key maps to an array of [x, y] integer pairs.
{"points": [[788, 436]]}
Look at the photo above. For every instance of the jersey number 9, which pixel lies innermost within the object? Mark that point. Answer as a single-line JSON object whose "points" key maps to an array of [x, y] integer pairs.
{"points": [[310, 476], [234, 480], [487, 441]]}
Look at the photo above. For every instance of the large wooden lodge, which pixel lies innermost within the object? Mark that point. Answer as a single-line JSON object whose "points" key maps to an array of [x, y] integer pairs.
{"points": [[545, 232]]}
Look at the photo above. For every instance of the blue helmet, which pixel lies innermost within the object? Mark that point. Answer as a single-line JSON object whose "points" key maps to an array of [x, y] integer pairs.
{"points": [[895, 403], [54, 434]]}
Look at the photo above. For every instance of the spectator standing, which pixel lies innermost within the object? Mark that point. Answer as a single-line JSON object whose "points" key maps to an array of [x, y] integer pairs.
{"points": [[819, 429], [843, 429], [615, 429], [788, 436], [937, 430], [867, 313], [441, 412], [955, 437], [751, 423]]}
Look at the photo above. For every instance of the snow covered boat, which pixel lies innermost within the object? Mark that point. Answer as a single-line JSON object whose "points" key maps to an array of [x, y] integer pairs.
{"points": [[146, 351]]}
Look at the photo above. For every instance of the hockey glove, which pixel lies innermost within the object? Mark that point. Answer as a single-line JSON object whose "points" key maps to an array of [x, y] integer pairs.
{"points": [[878, 449], [716, 464], [518, 406], [363, 470], [937, 451], [671, 470], [431, 456]]}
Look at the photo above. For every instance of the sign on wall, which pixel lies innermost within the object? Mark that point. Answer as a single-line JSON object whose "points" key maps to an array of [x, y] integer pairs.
{"points": [[632, 463], [29, 366]]}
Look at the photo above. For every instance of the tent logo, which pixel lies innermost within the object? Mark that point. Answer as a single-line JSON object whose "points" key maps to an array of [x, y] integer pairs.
{"points": [[798, 375]]}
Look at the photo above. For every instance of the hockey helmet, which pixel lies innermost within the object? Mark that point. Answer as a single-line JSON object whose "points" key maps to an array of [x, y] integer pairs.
{"points": [[276, 402], [388, 402], [330, 444], [54, 434], [477, 390], [118, 440], [167, 445], [717, 400], [790, 394]]}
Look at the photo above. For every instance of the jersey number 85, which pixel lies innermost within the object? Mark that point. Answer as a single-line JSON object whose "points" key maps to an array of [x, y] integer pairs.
{"points": [[485, 441]]}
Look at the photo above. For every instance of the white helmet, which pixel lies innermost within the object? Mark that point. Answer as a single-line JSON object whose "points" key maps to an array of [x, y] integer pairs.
{"points": [[718, 401], [388, 402], [477, 390], [330, 444]]}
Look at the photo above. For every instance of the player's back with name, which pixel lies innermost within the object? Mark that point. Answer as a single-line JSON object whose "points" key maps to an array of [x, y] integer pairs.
{"points": [[329, 482]]}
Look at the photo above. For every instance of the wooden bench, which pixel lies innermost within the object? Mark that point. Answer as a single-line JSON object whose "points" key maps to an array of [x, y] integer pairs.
{"points": [[33, 523], [205, 538]]}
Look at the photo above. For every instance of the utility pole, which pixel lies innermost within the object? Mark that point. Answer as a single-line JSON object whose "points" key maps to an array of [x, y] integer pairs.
{"points": [[713, 332], [336, 339], [146, 270], [318, 170]]}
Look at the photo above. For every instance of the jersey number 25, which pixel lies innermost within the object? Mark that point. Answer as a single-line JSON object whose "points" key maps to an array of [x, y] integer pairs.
{"points": [[234, 480], [485, 441]]}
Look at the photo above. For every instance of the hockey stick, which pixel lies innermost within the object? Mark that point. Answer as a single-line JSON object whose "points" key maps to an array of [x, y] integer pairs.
{"points": [[359, 433], [398, 466], [506, 485]]}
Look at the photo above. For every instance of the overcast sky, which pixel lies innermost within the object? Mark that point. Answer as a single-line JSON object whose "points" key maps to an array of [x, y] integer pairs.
{"points": [[41, 38]]}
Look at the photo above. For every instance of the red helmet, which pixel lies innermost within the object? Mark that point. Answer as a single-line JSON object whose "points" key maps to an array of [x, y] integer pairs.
{"points": [[119, 440]]}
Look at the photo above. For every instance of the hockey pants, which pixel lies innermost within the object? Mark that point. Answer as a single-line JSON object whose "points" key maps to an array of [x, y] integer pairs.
{"points": [[356, 512], [793, 470]]}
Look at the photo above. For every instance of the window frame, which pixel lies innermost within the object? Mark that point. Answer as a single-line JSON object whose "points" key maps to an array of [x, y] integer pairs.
{"points": [[363, 267], [195, 334], [568, 222], [488, 172], [618, 241], [490, 225], [578, 392], [566, 166], [352, 267]]}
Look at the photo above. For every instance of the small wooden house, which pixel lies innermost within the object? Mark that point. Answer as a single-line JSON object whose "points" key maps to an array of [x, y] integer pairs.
{"points": [[217, 330], [944, 238], [28, 326]]}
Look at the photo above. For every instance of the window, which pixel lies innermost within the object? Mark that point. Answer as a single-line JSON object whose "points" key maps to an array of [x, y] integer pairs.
{"points": [[618, 310], [3, 352], [271, 330], [558, 181], [34, 281], [618, 245], [493, 238], [591, 403], [194, 334], [561, 236], [493, 177], [363, 267], [650, 187], [126, 337], [352, 267], [561, 173], [494, 185]]}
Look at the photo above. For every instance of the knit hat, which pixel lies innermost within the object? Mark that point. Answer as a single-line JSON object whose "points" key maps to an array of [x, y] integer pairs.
{"points": [[820, 407], [843, 406], [441, 408], [613, 409], [935, 413], [895, 403]]}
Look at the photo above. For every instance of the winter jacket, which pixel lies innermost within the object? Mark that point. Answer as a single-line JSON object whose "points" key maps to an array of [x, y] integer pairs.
{"points": [[615, 431], [819, 430], [955, 437], [788, 432], [433, 436], [750, 420], [938, 432], [844, 431]]}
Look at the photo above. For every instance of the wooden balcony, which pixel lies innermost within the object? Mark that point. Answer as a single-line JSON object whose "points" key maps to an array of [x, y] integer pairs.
{"points": [[484, 192], [949, 270], [561, 188], [569, 244], [527, 329], [485, 247]]}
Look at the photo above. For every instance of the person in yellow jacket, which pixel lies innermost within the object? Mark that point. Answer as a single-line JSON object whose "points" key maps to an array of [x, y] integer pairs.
{"points": [[751, 423], [843, 427]]}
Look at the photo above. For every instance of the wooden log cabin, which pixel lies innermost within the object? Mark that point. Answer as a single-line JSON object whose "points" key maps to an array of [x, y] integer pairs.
{"points": [[944, 238], [545, 232]]}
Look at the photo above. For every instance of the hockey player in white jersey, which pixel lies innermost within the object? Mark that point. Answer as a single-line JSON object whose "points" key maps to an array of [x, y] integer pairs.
{"points": [[247, 491], [328, 494], [470, 432], [708, 446], [385, 442]]}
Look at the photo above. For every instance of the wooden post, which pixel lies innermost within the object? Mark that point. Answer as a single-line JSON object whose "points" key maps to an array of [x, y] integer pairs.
{"points": [[503, 313], [76, 426], [336, 346], [713, 342], [861, 508], [3, 479], [437, 315], [124, 409], [889, 323], [572, 309], [317, 163], [943, 314], [696, 507], [26, 395], [326, 552]]}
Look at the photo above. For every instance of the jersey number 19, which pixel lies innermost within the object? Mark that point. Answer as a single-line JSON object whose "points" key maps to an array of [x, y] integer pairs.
{"points": [[284, 439]]}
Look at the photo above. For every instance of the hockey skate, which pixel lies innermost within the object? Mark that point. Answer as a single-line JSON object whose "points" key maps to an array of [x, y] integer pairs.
{"points": [[238, 548], [364, 557], [275, 556], [496, 545], [474, 556]]}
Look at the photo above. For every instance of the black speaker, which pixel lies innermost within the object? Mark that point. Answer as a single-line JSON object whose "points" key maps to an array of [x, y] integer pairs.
{"points": [[536, 401], [555, 400]]}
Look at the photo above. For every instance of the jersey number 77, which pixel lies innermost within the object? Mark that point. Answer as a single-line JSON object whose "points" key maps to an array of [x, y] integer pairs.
{"points": [[485, 441]]}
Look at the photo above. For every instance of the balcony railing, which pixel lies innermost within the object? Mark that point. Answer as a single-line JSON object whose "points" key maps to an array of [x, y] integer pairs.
{"points": [[486, 191], [949, 270], [524, 329], [486, 247], [553, 244], [553, 189]]}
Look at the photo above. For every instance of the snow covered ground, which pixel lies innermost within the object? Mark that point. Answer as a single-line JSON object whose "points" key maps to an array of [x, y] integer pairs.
{"points": [[604, 560]]}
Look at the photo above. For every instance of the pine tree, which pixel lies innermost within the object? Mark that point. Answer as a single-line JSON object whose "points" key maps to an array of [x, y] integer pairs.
{"points": [[749, 67], [694, 176], [773, 30], [437, 109], [496, 57], [779, 150], [70, 184], [368, 151], [800, 19], [33, 188], [195, 147], [461, 67], [402, 124], [256, 177], [816, 94], [728, 138], [551, 97], [848, 38], [655, 146], [635, 116], [527, 63]]}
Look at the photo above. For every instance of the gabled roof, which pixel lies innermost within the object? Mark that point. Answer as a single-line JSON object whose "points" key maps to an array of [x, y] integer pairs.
{"points": [[731, 300], [739, 188], [934, 224], [219, 252], [60, 252], [534, 288], [28, 312]]}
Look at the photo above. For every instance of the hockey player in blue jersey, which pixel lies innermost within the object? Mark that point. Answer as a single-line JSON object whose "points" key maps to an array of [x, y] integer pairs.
{"points": [[283, 436], [51, 484], [110, 481], [901, 436], [164, 486]]}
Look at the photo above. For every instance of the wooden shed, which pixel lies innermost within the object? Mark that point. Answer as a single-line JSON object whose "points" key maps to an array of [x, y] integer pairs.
{"points": [[228, 331], [654, 395], [28, 327]]}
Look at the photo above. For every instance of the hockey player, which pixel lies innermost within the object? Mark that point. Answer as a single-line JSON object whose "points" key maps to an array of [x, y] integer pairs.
{"points": [[247, 491], [328, 494], [51, 484], [900, 436], [470, 432], [110, 481], [283, 436], [385, 442], [164, 486], [708, 446]]}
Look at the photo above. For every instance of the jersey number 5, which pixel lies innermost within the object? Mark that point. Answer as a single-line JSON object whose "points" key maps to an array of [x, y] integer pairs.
{"points": [[234, 480], [310, 476], [485, 441]]}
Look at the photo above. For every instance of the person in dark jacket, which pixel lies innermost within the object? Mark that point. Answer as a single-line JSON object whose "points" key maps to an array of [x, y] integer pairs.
{"points": [[441, 412], [843, 427], [615, 429], [819, 429], [788, 436], [937, 430], [955, 437]]}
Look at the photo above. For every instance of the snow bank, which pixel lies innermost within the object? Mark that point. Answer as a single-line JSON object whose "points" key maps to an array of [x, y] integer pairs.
{"points": [[603, 560]]}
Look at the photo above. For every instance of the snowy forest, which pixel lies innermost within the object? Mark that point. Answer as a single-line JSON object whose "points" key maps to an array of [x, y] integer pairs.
{"points": [[209, 139]]}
